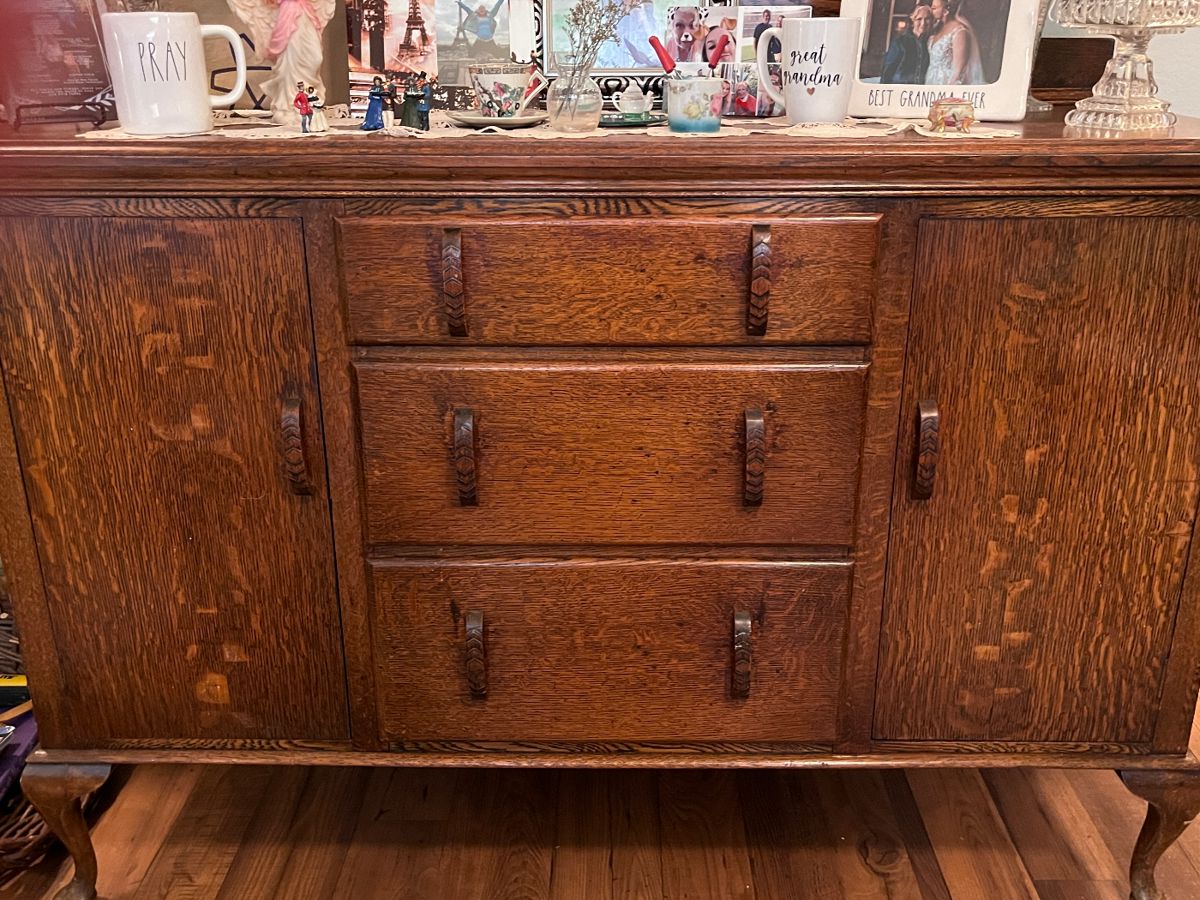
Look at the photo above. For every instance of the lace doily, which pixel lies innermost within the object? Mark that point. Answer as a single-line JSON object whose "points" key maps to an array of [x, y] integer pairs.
{"points": [[342, 127]]}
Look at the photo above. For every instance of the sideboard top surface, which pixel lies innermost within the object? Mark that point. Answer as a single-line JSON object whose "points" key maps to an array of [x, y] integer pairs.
{"points": [[54, 160]]}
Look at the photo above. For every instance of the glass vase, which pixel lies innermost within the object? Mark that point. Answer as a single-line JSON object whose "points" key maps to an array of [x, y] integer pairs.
{"points": [[574, 100], [1125, 99]]}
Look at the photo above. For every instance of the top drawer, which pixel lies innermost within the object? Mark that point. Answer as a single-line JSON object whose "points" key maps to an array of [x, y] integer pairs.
{"points": [[607, 281]]}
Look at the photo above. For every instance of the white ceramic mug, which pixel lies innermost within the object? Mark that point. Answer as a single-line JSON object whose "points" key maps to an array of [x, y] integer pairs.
{"points": [[160, 78], [693, 104], [817, 64]]}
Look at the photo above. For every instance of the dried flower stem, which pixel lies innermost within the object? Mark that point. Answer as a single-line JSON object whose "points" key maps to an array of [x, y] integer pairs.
{"points": [[590, 25]]}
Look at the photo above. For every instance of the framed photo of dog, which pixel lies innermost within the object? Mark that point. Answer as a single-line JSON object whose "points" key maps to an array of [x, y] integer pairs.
{"points": [[914, 52]]}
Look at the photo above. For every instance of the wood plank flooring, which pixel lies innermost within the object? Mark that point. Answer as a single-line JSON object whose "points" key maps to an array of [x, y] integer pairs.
{"points": [[244, 833]]}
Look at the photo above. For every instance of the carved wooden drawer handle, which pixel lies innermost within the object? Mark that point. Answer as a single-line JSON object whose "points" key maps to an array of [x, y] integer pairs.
{"points": [[476, 655], [759, 301], [756, 458], [928, 448], [291, 443], [453, 295], [464, 457], [739, 683]]}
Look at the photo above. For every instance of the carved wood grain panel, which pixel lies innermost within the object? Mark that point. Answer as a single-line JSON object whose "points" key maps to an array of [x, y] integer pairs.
{"points": [[1034, 596], [611, 280], [190, 591], [610, 651], [577, 451]]}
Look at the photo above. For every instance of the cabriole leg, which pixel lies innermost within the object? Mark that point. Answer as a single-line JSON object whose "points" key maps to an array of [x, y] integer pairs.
{"points": [[1174, 798], [57, 791]]}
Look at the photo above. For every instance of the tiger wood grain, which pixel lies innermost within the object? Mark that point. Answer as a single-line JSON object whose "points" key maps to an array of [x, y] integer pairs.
{"points": [[1035, 595], [53, 161], [569, 451], [344, 467], [610, 280], [190, 592], [574, 653], [877, 463]]}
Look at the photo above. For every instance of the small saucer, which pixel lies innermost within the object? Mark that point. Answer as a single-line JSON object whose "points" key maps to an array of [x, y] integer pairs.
{"points": [[475, 120], [618, 120]]}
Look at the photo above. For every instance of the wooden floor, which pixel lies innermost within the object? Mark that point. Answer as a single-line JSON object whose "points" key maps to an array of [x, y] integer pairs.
{"points": [[242, 833]]}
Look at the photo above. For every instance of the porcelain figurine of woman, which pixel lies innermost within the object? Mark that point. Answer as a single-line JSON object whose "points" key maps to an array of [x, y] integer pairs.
{"points": [[375, 99], [410, 113], [319, 120], [287, 34]]}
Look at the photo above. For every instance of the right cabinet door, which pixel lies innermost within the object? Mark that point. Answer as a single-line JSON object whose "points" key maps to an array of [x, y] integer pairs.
{"points": [[1055, 364]]}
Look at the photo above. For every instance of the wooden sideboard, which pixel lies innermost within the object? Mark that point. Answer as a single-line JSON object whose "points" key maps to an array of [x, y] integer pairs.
{"points": [[494, 452]]}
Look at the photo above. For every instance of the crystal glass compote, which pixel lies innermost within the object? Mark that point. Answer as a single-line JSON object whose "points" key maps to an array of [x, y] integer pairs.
{"points": [[1124, 98], [1032, 103]]}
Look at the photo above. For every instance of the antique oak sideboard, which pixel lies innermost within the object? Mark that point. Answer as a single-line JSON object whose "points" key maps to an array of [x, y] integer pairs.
{"points": [[498, 452]]}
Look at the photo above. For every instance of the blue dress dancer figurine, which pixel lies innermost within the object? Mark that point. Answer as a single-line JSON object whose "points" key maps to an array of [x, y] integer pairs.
{"points": [[376, 96]]}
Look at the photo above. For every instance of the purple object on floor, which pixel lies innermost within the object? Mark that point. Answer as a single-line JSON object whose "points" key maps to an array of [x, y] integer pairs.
{"points": [[16, 751]]}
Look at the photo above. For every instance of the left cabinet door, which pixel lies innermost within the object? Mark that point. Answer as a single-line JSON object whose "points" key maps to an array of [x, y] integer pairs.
{"points": [[161, 382]]}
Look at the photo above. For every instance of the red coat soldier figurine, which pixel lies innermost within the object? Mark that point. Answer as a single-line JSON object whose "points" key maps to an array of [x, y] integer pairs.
{"points": [[303, 107]]}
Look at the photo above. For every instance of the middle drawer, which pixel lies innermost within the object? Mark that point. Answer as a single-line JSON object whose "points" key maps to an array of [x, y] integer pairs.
{"points": [[571, 452]]}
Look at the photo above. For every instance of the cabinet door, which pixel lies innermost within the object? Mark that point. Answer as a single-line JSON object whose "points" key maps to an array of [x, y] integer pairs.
{"points": [[1033, 596], [160, 377]]}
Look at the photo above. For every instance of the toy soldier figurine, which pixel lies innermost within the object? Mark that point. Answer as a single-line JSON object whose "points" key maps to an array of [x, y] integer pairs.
{"points": [[389, 101], [426, 101], [303, 107], [397, 100]]}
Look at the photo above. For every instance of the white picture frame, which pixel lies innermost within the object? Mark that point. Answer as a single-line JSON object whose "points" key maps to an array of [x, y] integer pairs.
{"points": [[1000, 100]]}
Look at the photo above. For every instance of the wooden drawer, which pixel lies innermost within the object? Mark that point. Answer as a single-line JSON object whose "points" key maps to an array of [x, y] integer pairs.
{"points": [[608, 650], [608, 281], [611, 450]]}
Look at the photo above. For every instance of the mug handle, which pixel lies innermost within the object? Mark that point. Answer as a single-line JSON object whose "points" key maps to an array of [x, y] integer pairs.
{"points": [[219, 101], [764, 77], [533, 90]]}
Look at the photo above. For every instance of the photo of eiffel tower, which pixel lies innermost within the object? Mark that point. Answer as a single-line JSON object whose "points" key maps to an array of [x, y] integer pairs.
{"points": [[414, 25], [388, 37]]}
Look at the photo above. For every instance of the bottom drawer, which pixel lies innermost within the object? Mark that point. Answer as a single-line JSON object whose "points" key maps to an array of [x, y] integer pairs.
{"points": [[609, 650]]}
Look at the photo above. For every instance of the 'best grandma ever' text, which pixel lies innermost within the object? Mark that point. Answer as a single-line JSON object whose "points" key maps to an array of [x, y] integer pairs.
{"points": [[922, 97]]}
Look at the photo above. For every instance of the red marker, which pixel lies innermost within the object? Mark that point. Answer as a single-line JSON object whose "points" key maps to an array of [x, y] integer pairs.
{"points": [[715, 60], [664, 57]]}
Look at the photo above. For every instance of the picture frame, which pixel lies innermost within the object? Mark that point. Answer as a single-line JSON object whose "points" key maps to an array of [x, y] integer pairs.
{"points": [[1001, 35], [538, 16], [540, 34]]}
